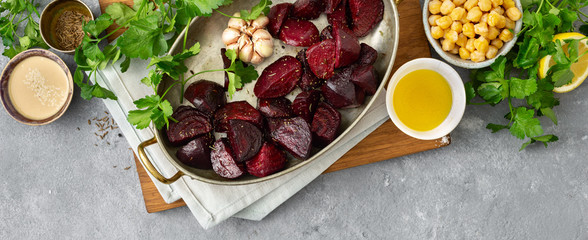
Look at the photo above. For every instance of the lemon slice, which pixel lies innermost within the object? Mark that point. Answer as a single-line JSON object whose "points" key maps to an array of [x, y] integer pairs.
{"points": [[580, 68]]}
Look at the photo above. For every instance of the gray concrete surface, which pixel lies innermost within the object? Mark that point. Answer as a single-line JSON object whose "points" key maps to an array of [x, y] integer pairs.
{"points": [[61, 182]]}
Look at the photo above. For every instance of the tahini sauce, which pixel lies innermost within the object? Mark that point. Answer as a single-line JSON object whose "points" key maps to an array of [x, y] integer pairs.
{"points": [[38, 88]]}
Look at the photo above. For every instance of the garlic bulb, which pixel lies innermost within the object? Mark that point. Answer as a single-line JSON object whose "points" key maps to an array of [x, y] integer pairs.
{"points": [[249, 39]]}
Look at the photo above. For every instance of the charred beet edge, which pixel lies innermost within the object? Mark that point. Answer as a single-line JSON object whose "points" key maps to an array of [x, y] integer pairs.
{"points": [[306, 103], [275, 107], [365, 14], [191, 124], [223, 162], [206, 96], [279, 78], [326, 33], [277, 15], [308, 9], [293, 134], [245, 139], [299, 33], [268, 160], [240, 110], [325, 124], [367, 55], [308, 81], [346, 45], [321, 59], [365, 77], [197, 152], [340, 92]]}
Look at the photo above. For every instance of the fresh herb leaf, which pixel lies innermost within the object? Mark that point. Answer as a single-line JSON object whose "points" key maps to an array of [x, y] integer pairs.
{"points": [[257, 10], [99, 25], [525, 124], [144, 38], [495, 127], [521, 88], [121, 13]]}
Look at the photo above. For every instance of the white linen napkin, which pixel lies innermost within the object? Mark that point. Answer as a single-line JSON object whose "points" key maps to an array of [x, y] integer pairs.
{"points": [[212, 204]]}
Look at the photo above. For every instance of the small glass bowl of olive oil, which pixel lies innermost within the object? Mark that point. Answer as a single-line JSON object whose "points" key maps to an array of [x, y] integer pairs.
{"points": [[426, 98]]}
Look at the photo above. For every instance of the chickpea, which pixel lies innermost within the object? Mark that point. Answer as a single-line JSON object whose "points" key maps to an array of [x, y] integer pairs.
{"points": [[454, 51], [468, 30], [510, 24], [456, 26], [493, 33], [506, 35], [485, 5], [464, 53], [437, 32], [447, 45], [477, 56], [458, 2], [481, 44], [432, 19], [497, 43], [469, 4], [451, 36], [475, 14], [481, 28], [508, 4], [444, 22], [447, 7], [464, 19], [457, 13], [461, 40], [484, 18], [498, 10], [513, 13], [497, 3], [492, 51], [470, 45], [435, 6], [493, 19]]}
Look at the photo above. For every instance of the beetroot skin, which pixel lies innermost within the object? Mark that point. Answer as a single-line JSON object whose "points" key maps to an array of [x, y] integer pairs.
{"points": [[197, 152], [340, 92], [347, 47], [365, 77], [223, 162], [293, 134], [279, 78], [191, 124], [240, 110], [327, 33], [268, 160], [365, 15], [331, 6], [245, 139], [308, 9], [299, 33], [206, 96], [367, 55], [308, 81], [306, 103], [275, 107], [325, 123], [278, 13], [321, 59]]}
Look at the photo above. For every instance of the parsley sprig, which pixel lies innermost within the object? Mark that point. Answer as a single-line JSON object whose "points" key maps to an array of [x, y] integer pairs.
{"points": [[262, 7], [513, 78], [16, 12]]}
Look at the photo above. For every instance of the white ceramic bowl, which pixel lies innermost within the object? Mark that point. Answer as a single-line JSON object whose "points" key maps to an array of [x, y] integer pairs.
{"points": [[455, 59], [457, 93]]}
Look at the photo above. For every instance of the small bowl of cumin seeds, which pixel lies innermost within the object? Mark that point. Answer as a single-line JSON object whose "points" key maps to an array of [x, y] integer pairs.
{"points": [[61, 24]]}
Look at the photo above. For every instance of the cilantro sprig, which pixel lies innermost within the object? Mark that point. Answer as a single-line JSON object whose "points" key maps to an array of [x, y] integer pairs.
{"points": [[16, 12], [513, 78]]}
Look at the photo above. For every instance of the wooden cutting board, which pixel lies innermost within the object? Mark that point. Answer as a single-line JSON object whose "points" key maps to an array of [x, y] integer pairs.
{"points": [[384, 143]]}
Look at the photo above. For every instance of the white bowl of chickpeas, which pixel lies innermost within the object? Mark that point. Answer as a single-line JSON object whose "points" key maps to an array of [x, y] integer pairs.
{"points": [[472, 33]]}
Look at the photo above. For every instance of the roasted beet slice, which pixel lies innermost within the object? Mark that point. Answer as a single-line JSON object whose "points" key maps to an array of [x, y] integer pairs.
{"points": [[325, 123], [365, 15], [197, 152], [268, 160], [245, 139], [331, 6], [327, 33], [367, 55], [346, 45], [293, 134], [299, 33], [191, 124], [339, 15], [277, 15], [321, 59], [226, 64], [308, 81], [240, 110], [340, 92], [279, 78], [365, 77], [206, 96], [308, 9], [275, 107], [306, 103], [223, 162]]}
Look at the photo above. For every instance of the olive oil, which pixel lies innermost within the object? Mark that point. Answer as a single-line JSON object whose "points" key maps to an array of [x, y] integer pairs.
{"points": [[422, 100]]}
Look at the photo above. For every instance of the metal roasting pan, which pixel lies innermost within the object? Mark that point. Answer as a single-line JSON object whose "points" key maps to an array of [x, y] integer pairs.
{"points": [[207, 31]]}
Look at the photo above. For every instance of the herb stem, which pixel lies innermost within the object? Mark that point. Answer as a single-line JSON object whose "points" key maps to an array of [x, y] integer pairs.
{"points": [[227, 15], [207, 71]]}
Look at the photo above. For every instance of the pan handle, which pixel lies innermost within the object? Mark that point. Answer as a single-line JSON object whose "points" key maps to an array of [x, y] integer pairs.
{"points": [[151, 168], [398, 2]]}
